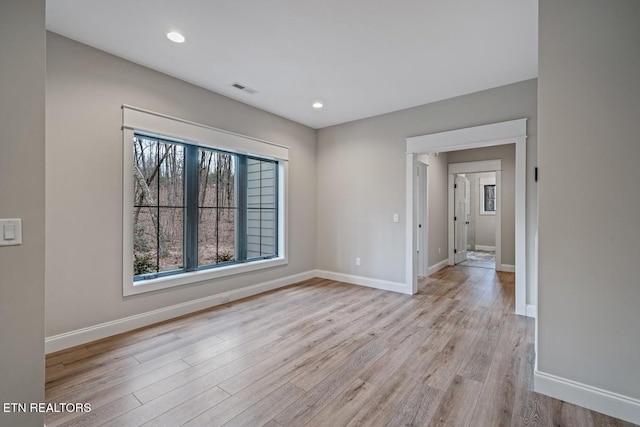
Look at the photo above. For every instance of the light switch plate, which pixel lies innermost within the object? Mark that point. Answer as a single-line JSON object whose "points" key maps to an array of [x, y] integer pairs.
{"points": [[10, 232]]}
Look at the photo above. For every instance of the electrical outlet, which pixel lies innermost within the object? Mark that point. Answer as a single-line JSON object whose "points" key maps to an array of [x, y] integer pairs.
{"points": [[357, 261], [396, 217]]}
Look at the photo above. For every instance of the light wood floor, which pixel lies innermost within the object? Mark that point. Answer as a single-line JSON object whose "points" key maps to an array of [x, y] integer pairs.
{"points": [[323, 353]]}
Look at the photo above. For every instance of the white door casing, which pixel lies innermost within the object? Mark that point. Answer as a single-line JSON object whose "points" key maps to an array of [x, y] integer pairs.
{"points": [[508, 132], [421, 193]]}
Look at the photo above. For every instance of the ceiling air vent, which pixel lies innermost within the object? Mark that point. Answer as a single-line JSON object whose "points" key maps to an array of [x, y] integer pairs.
{"points": [[244, 88]]}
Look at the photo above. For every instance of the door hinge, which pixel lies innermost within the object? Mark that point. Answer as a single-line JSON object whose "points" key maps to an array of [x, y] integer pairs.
{"points": [[455, 251], [455, 185], [455, 218]]}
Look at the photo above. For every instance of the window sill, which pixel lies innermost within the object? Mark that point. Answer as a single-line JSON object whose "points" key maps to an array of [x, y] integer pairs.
{"points": [[142, 286]]}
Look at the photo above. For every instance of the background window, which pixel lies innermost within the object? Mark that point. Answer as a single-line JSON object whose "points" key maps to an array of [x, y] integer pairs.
{"points": [[489, 198]]}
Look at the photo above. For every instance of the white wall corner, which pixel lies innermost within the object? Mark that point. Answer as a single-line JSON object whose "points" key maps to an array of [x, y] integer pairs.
{"points": [[532, 311], [81, 336], [596, 399], [369, 282], [411, 261]]}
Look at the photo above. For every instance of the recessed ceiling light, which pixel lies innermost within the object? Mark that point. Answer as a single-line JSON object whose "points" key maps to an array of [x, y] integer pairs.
{"points": [[175, 37], [317, 105]]}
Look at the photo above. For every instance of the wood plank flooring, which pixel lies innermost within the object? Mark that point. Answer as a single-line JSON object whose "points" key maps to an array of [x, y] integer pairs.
{"points": [[323, 353]]}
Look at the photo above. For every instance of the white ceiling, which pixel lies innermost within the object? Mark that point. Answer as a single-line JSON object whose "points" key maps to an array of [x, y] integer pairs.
{"points": [[359, 57]]}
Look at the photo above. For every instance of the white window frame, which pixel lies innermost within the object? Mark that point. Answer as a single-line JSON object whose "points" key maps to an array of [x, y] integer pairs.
{"points": [[139, 120], [483, 183]]}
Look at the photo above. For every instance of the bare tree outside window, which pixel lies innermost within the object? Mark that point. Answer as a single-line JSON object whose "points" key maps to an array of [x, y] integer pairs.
{"points": [[158, 206], [173, 180], [216, 207]]}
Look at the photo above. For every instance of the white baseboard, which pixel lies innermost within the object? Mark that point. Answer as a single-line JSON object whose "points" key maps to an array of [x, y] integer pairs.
{"points": [[364, 281], [532, 311], [609, 403], [508, 268], [437, 267], [114, 327], [485, 248]]}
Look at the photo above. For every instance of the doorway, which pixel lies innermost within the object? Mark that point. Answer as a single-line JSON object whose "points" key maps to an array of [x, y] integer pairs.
{"points": [[509, 132], [479, 220], [459, 173]]}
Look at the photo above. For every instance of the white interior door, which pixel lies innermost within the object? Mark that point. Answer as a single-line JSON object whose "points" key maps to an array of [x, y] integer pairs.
{"points": [[461, 200]]}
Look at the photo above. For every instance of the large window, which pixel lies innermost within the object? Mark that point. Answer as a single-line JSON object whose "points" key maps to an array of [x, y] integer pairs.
{"points": [[199, 203], [199, 208]]}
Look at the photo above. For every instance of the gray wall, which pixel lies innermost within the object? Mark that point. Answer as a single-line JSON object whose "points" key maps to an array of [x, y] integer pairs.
{"points": [[438, 175], [85, 89], [589, 199], [507, 153], [22, 188], [361, 176], [482, 227]]}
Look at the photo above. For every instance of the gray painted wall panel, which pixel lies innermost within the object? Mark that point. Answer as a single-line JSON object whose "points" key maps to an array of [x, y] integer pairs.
{"points": [[482, 227], [22, 195], [589, 286], [438, 207]]}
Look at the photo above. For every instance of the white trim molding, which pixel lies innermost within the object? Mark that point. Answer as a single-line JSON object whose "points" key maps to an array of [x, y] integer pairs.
{"points": [[508, 132], [141, 120], [507, 268], [126, 324], [473, 137], [437, 267], [475, 167], [609, 403], [485, 248], [369, 282]]}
